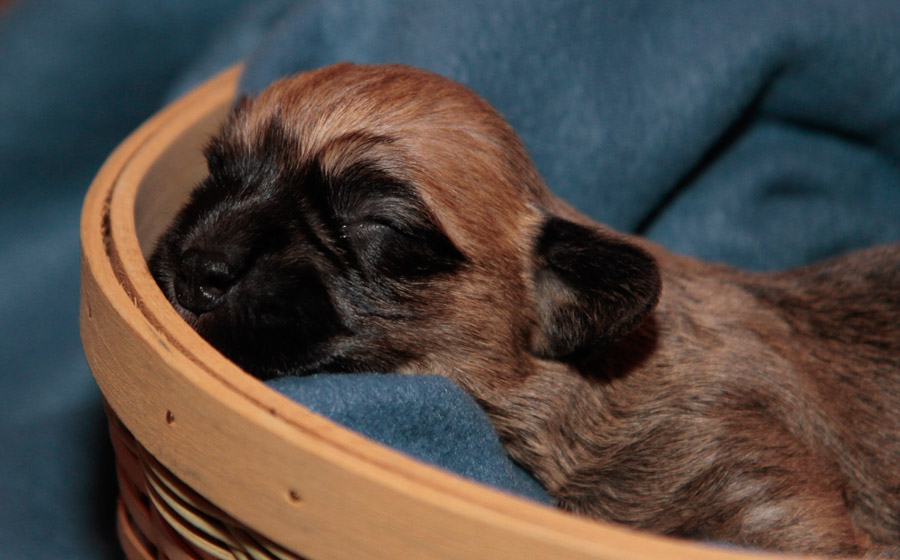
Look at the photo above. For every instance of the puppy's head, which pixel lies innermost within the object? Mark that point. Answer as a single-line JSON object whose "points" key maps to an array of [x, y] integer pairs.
{"points": [[362, 218]]}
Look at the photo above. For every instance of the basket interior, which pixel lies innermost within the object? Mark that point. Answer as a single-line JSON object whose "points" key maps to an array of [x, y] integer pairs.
{"points": [[169, 181]]}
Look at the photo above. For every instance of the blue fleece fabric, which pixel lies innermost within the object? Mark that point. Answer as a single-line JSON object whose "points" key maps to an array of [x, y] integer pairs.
{"points": [[762, 133], [426, 416], [759, 132]]}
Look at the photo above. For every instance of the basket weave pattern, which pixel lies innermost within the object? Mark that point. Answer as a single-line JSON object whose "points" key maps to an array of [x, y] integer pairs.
{"points": [[161, 517]]}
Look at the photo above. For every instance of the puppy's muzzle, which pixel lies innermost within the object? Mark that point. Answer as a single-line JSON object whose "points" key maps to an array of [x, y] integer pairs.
{"points": [[203, 280]]}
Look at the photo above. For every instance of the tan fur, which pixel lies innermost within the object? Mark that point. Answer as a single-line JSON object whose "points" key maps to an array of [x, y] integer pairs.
{"points": [[757, 409]]}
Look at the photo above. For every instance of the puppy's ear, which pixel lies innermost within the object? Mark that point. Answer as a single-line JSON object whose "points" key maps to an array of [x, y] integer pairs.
{"points": [[591, 288]]}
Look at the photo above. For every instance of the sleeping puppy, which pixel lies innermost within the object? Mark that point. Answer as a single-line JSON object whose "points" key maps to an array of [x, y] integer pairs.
{"points": [[386, 219]]}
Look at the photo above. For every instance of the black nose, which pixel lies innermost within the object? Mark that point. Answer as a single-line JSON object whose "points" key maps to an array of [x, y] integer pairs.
{"points": [[206, 276]]}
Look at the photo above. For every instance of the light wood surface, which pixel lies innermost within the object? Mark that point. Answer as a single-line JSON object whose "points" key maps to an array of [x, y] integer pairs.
{"points": [[299, 480]]}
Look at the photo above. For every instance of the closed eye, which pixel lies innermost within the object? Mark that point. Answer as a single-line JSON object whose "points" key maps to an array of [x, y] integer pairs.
{"points": [[386, 225], [401, 250], [374, 224]]}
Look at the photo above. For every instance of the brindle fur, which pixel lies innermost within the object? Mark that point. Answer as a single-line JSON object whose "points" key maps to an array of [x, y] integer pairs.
{"points": [[383, 218]]}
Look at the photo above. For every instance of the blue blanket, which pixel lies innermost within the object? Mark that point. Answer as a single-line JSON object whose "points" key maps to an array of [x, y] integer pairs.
{"points": [[763, 133], [760, 133], [425, 416]]}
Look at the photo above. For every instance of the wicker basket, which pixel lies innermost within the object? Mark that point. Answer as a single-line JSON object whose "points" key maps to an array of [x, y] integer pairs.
{"points": [[213, 464]]}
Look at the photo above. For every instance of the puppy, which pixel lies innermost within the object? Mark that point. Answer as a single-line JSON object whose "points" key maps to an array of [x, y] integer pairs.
{"points": [[386, 219]]}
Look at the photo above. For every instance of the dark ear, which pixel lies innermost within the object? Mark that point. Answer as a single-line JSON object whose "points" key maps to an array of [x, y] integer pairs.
{"points": [[591, 288]]}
